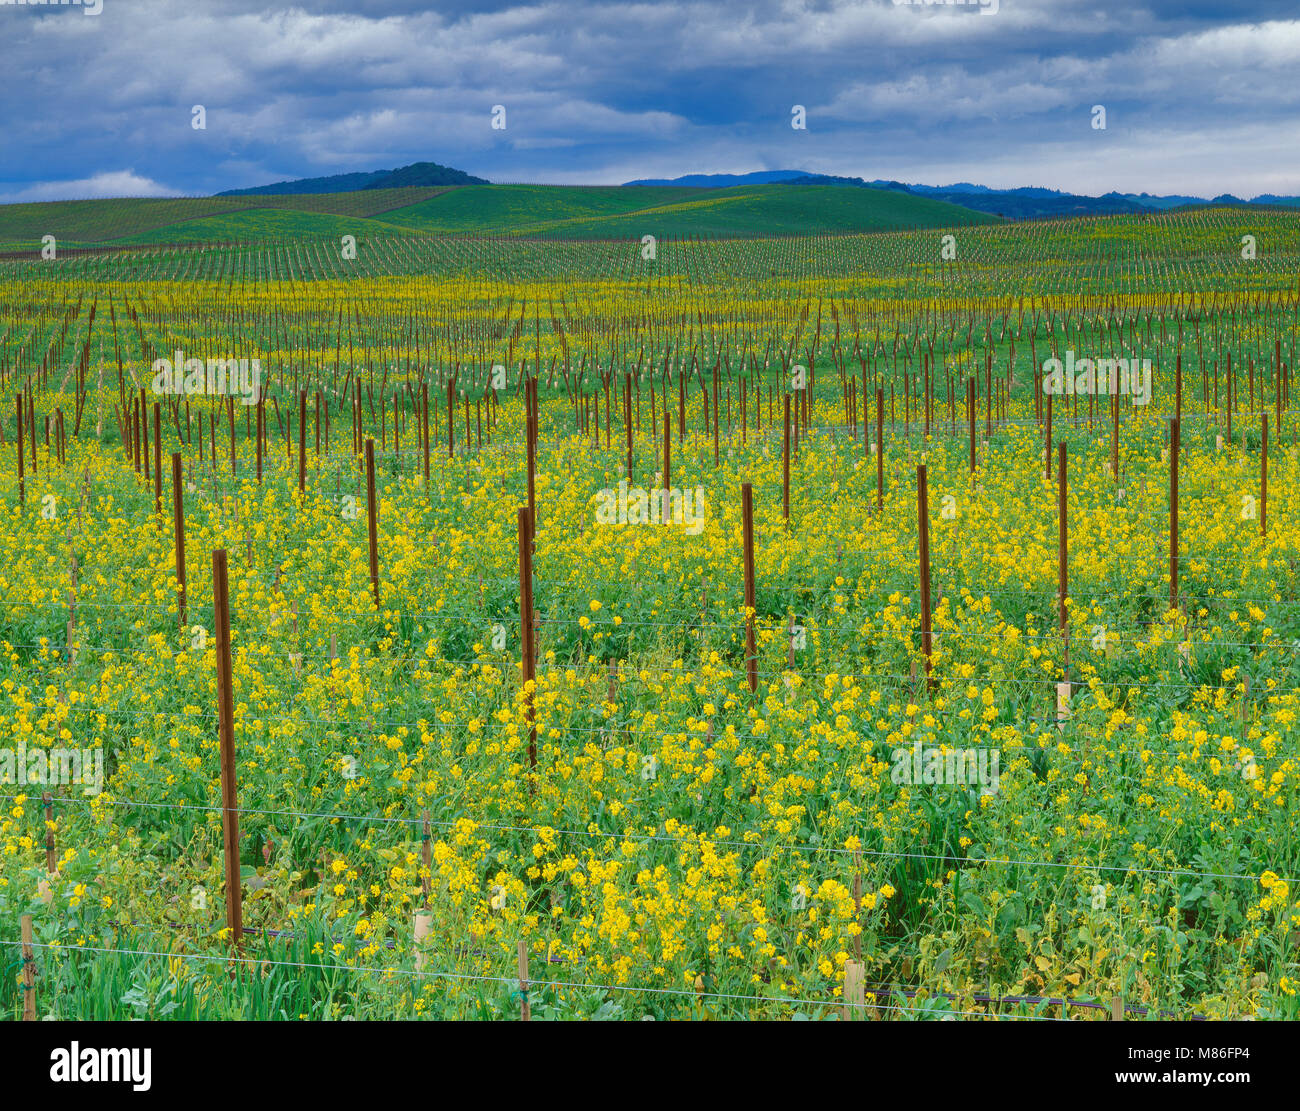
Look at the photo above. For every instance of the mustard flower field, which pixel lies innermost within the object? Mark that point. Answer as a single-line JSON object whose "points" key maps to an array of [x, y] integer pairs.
{"points": [[769, 628]]}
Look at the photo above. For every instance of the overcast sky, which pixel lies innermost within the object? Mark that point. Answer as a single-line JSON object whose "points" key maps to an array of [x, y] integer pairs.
{"points": [[1200, 97]]}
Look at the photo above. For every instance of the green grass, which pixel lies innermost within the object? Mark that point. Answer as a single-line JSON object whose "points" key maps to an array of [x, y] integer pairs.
{"points": [[623, 211], [100, 221], [517, 210], [264, 225]]}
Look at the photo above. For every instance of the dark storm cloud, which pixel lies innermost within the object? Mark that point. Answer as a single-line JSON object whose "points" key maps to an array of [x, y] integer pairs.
{"points": [[1199, 97]]}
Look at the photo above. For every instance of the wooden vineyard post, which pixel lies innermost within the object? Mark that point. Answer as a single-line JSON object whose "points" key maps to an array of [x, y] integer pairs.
{"points": [[1062, 587], [22, 486], [226, 729], [531, 438], [178, 520], [371, 519], [970, 420], [747, 514], [666, 513], [143, 413], [1264, 476], [302, 441], [528, 648], [424, 419], [880, 449], [923, 529], [855, 995], [157, 460], [1062, 553], [785, 464], [423, 923], [1277, 394], [525, 1008], [29, 965], [1173, 512]]}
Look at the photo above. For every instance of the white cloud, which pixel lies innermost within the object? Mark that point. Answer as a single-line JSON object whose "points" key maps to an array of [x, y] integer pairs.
{"points": [[117, 183]]}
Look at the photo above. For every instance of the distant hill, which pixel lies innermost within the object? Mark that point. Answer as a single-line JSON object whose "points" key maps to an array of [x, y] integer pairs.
{"points": [[723, 181], [1024, 203], [418, 175], [536, 211]]}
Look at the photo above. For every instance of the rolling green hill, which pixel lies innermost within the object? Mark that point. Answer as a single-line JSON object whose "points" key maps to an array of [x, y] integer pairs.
{"points": [[103, 221], [542, 211], [632, 211]]}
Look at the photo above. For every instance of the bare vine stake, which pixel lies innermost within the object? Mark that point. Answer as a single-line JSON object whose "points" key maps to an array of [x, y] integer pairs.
{"points": [[1062, 553], [970, 419], [424, 419], [178, 519], [22, 486], [302, 441], [226, 727], [923, 527], [531, 438], [371, 518], [1174, 447], [143, 414], [747, 512], [880, 449], [528, 658], [1063, 586], [157, 460], [1264, 477], [785, 464], [668, 467]]}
